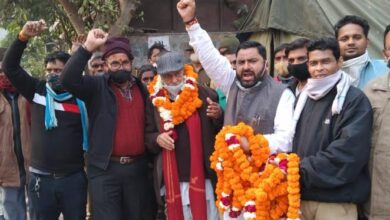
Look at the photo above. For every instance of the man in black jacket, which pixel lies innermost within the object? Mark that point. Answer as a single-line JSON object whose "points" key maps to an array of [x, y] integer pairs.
{"points": [[58, 133], [119, 117], [333, 136]]}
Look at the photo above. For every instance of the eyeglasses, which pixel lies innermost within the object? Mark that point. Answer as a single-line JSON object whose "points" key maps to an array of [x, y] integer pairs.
{"points": [[115, 65]]}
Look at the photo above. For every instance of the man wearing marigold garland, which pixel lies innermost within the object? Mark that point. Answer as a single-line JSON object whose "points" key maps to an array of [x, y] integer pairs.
{"points": [[119, 113], [333, 136], [188, 117], [253, 97]]}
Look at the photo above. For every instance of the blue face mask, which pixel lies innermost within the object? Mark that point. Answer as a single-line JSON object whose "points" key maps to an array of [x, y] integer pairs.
{"points": [[54, 82], [175, 89]]}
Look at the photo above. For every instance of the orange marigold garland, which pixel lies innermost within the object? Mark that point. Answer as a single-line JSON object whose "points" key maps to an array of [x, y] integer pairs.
{"points": [[261, 186], [186, 103]]}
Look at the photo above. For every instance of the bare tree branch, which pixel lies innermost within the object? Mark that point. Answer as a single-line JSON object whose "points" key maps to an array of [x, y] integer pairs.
{"points": [[74, 18]]}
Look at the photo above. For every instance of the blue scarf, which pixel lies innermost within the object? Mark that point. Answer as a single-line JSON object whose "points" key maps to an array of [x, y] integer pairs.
{"points": [[50, 116]]}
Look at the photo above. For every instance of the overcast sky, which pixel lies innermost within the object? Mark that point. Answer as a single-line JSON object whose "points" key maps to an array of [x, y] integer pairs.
{"points": [[2, 33]]}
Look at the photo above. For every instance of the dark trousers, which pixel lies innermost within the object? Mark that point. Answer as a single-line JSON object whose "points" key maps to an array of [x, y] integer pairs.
{"points": [[122, 192], [52, 196]]}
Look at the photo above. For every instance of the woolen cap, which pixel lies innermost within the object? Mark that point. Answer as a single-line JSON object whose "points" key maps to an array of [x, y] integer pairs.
{"points": [[170, 62], [117, 45]]}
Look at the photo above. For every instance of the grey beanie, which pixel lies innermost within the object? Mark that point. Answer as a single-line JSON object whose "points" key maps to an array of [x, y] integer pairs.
{"points": [[170, 62]]}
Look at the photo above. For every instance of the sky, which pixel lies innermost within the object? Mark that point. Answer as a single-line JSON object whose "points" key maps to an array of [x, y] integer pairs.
{"points": [[2, 33]]}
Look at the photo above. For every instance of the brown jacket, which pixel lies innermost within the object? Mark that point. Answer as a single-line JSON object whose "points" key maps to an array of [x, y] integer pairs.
{"points": [[378, 92], [210, 128], [9, 172]]}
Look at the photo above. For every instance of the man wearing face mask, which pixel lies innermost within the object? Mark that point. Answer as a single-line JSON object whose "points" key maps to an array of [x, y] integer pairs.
{"points": [[121, 118], [280, 66], [253, 96], [58, 133], [14, 151], [184, 142], [296, 53], [333, 123], [96, 64], [378, 92], [352, 35]]}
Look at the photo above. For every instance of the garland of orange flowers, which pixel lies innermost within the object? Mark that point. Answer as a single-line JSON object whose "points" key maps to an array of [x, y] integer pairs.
{"points": [[185, 104], [261, 186]]}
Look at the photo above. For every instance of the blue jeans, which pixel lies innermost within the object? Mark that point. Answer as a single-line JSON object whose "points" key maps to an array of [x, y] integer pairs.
{"points": [[52, 196], [13, 202]]}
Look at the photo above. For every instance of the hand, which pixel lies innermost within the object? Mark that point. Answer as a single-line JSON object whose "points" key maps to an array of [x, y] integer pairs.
{"points": [[186, 9], [214, 110], [166, 141], [34, 28], [95, 39], [245, 145]]}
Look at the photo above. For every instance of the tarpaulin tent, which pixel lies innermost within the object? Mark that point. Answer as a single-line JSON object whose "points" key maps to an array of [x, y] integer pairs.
{"points": [[273, 22]]}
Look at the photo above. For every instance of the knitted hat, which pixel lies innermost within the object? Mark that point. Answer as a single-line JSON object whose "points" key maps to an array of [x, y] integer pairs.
{"points": [[170, 62], [117, 45], [231, 43]]}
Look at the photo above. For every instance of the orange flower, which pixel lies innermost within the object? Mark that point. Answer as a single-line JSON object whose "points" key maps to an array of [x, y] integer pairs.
{"points": [[256, 179]]}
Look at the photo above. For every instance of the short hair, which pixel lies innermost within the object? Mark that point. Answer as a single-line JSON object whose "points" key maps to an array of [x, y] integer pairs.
{"points": [[95, 56], [352, 19], [157, 45], [281, 47], [297, 44], [57, 55], [387, 30], [146, 68], [325, 43], [253, 44]]}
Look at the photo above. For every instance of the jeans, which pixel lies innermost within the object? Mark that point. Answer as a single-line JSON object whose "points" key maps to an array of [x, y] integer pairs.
{"points": [[52, 196], [13, 203]]}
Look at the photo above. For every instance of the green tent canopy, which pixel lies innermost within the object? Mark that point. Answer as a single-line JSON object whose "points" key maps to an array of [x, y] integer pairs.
{"points": [[273, 22]]}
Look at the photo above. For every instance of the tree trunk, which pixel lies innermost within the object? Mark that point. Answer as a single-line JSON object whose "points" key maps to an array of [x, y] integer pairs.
{"points": [[127, 11], [74, 18]]}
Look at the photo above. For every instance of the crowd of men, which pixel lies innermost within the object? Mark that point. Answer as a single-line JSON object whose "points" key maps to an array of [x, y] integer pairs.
{"points": [[103, 135]]}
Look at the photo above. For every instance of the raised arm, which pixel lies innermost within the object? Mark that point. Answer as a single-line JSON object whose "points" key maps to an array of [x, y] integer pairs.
{"points": [[72, 76], [216, 66], [19, 77]]}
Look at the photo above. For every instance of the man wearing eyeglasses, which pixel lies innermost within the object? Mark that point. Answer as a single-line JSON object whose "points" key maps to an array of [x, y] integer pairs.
{"points": [[119, 117]]}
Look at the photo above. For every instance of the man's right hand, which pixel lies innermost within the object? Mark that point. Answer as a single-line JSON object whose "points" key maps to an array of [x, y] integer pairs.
{"points": [[166, 141], [95, 39], [33, 28], [186, 9]]}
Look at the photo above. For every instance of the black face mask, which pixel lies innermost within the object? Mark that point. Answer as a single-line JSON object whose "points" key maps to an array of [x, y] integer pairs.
{"points": [[120, 76], [54, 82], [299, 71]]}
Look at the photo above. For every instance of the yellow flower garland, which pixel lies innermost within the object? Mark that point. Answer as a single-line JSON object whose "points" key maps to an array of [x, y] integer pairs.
{"points": [[262, 186]]}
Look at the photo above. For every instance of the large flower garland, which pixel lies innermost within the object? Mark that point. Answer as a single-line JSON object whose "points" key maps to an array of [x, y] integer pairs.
{"points": [[262, 186], [186, 103]]}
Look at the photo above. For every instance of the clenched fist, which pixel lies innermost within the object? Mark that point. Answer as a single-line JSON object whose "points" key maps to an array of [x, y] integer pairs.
{"points": [[95, 39], [186, 9], [33, 28]]}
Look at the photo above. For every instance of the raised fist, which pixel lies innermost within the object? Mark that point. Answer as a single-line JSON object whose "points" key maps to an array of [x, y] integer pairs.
{"points": [[95, 39], [186, 9], [34, 28]]}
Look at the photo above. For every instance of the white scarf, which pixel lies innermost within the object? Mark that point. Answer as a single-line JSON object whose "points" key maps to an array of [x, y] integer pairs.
{"points": [[355, 66], [318, 88]]}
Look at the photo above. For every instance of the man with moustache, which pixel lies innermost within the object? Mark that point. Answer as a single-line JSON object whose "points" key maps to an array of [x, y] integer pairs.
{"points": [[333, 137], [120, 113], [352, 35], [253, 96], [378, 92], [296, 53]]}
